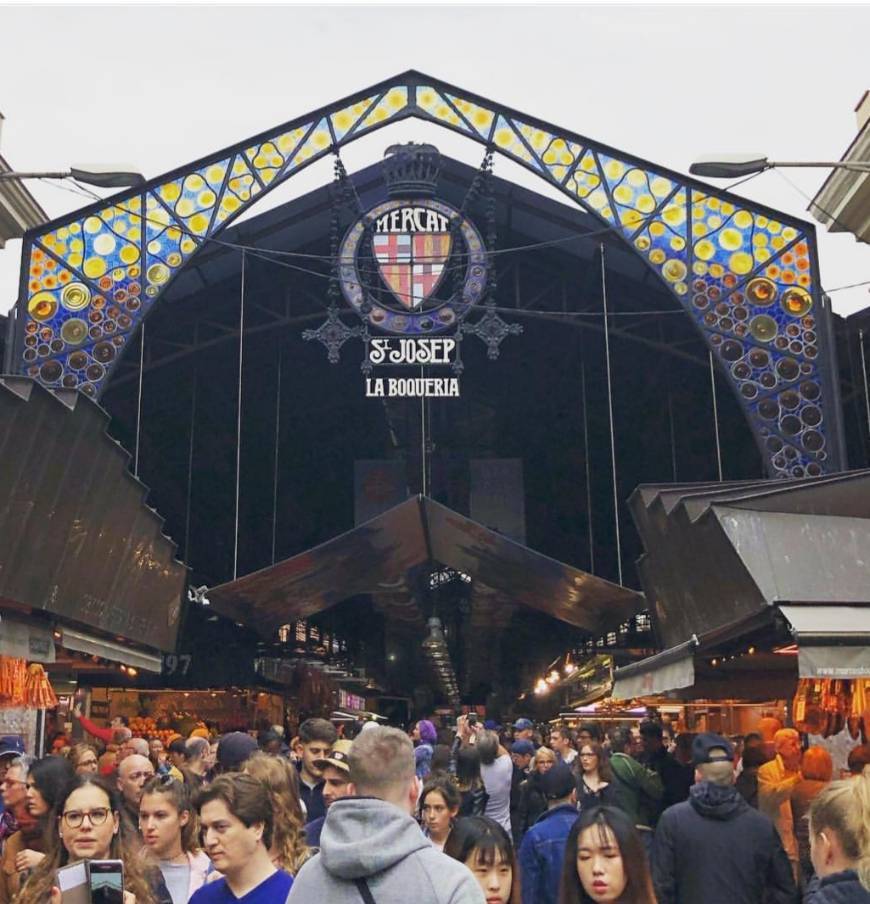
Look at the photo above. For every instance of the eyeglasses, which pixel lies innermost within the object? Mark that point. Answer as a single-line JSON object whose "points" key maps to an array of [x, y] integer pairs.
{"points": [[96, 817]]}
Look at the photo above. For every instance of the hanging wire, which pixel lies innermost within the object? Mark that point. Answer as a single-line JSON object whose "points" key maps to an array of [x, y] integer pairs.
{"points": [[610, 413], [864, 371], [589, 529], [190, 465], [277, 447], [715, 414], [673, 437], [139, 398], [423, 435], [239, 419]]}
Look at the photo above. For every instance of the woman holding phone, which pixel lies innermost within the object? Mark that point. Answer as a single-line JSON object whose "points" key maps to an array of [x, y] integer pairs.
{"points": [[88, 828]]}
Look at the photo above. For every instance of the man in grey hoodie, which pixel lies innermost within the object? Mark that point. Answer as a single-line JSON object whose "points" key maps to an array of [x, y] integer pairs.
{"points": [[371, 849]]}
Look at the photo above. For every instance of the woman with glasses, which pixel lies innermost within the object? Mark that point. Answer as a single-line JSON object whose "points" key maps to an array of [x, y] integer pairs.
{"points": [[88, 827], [169, 828], [532, 803], [594, 777], [84, 758]]}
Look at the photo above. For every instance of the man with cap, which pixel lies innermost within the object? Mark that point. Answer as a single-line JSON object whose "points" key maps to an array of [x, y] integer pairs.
{"points": [[336, 784], [714, 847], [524, 730], [521, 754], [234, 749], [542, 851]]}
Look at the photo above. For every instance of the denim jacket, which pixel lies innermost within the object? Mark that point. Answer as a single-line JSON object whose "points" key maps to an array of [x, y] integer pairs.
{"points": [[542, 852]]}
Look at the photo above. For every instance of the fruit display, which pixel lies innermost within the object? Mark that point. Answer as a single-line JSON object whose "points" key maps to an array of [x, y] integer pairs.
{"points": [[165, 727]]}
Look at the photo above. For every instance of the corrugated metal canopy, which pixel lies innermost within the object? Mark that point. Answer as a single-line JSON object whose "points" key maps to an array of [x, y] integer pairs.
{"points": [[717, 554], [378, 555], [76, 537]]}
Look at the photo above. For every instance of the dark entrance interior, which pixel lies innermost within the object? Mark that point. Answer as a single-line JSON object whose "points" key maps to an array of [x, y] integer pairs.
{"points": [[544, 401]]}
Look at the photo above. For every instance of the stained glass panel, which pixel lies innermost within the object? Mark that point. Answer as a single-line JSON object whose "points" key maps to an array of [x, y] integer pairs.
{"points": [[744, 277]]}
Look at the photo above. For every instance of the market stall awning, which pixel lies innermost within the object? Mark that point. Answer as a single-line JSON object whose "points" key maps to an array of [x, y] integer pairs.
{"points": [[666, 671], [725, 559], [832, 641], [380, 556], [718, 554], [77, 539]]}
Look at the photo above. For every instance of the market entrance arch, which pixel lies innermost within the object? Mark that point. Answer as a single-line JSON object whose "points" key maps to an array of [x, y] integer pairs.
{"points": [[746, 275]]}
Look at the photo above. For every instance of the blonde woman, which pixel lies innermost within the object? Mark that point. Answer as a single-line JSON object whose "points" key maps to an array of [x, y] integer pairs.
{"points": [[289, 850], [84, 758], [532, 802], [840, 842]]}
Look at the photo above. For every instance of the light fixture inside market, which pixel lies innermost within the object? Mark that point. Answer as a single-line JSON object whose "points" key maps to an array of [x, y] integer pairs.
{"points": [[438, 655]]}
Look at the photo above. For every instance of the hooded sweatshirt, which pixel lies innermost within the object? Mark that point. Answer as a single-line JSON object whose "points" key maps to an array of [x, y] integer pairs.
{"points": [[371, 839], [715, 848]]}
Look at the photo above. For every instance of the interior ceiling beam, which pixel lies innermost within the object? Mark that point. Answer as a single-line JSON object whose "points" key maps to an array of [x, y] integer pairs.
{"points": [[233, 335], [583, 324]]}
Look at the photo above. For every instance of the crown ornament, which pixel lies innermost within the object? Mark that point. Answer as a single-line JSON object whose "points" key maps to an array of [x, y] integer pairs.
{"points": [[411, 170]]}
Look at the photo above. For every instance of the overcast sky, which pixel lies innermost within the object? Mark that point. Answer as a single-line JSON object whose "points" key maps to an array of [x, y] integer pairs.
{"points": [[161, 86]]}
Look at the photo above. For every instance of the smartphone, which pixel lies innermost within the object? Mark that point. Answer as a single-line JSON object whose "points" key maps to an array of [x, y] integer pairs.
{"points": [[472, 719], [106, 881], [72, 881]]}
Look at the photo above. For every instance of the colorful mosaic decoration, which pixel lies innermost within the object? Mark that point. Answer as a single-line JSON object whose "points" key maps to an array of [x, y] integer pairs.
{"points": [[746, 278]]}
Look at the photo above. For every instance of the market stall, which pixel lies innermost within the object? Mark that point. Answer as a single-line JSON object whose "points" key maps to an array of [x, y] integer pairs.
{"points": [[168, 713]]}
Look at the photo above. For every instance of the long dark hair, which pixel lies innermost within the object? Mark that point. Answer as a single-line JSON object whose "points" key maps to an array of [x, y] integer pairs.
{"points": [[489, 843], [51, 776], [37, 890], [605, 773], [468, 768], [638, 885], [445, 787]]}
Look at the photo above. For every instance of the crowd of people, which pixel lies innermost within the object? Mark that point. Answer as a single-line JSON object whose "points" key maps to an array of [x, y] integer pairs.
{"points": [[462, 815]]}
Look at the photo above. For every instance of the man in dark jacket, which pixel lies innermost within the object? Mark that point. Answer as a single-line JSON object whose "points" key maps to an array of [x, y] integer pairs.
{"points": [[714, 847], [521, 754], [656, 757], [543, 848]]}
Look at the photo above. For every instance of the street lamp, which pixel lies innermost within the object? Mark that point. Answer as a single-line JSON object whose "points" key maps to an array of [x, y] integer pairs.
{"points": [[733, 166], [101, 176]]}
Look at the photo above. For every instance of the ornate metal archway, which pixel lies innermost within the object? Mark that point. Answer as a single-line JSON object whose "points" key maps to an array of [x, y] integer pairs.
{"points": [[746, 275]]}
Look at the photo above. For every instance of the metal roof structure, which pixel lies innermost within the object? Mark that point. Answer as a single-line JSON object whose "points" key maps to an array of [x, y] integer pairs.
{"points": [[746, 276], [381, 555], [725, 559], [78, 540]]}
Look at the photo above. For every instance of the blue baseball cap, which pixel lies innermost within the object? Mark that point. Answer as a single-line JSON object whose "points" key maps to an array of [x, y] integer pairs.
{"points": [[522, 747], [11, 745], [523, 724]]}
